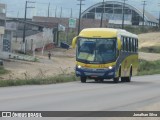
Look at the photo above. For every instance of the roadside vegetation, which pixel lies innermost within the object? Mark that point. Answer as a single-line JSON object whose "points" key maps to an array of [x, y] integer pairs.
{"points": [[3, 71], [39, 81], [151, 49], [149, 67]]}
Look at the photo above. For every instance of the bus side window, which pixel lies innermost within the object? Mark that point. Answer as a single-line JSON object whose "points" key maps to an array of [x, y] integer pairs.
{"points": [[127, 44], [137, 45], [123, 42], [133, 44], [130, 44]]}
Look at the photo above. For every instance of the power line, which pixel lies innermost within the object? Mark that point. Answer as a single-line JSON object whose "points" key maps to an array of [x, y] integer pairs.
{"points": [[79, 21]]}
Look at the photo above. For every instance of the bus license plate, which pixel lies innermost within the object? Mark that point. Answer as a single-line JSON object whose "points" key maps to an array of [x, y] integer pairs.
{"points": [[94, 76]]}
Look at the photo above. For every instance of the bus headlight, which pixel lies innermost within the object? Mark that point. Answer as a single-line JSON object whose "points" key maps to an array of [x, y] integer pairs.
{"points": [[79, 66], [110, 67]]}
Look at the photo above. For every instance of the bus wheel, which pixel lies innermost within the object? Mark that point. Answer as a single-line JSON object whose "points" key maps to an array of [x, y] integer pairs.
{"points": [[116, 80], [123, 79], [128, 79], [83, 79]]}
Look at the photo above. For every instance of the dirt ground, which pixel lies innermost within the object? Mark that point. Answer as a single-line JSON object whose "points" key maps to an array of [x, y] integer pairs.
{"points": [[149, 39], [149, 56], [62, 61]]}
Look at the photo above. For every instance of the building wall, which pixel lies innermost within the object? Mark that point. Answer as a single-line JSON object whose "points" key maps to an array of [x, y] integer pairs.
{"points": [[85, 23], [113, 12], [34, 41]]}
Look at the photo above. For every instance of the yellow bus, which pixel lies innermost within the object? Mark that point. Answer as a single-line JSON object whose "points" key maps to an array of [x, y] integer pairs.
{"points": [[106, 53]]}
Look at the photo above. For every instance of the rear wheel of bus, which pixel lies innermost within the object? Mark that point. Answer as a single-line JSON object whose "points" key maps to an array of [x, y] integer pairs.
{"points": [[128, 79], [83, 79]]}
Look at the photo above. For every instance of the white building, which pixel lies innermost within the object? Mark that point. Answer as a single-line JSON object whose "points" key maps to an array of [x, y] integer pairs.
{"points": [[113, 13]]}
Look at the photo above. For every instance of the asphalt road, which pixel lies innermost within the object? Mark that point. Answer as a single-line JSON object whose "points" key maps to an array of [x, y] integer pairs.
{"points": [[78, 96]]}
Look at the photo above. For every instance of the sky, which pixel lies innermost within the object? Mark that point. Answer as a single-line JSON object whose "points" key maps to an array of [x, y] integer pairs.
{"points": [[16, 8]]}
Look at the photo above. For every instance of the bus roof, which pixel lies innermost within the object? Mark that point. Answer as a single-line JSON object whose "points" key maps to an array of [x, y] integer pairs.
{"points": [[105, 33]]}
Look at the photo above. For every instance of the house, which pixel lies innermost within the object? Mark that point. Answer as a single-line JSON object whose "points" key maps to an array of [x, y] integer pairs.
{"points": [[38, 34]]}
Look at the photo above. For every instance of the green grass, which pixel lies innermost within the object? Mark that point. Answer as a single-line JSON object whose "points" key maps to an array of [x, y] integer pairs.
{"points": [[3, 71], [39, 81], [151, 49], [149, 67]]}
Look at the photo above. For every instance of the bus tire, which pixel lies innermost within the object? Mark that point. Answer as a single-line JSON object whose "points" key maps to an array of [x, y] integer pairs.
{"points": [[123, 79], [83, 79], [116, 80], [128, 79]]}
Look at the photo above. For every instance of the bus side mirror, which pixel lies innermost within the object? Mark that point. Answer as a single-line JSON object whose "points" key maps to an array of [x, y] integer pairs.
{"points": [[119, 43], [74, 41]]}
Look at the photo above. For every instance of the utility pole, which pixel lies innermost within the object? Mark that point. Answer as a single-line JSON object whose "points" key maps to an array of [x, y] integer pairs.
{"points": [[159, 15], [71, 13], [24, 29], [48, 9], [144, 4], [79, 21], [102, 14], [61, 13], [159, 19], [56, 12], [123, 9]]}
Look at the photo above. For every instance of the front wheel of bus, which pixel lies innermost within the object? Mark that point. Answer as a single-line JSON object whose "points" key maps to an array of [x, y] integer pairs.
{"points": [[83, 79], [116, 80]]}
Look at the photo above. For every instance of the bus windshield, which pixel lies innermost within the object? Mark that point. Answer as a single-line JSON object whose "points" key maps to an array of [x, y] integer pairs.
{"points": [[96, 50]]}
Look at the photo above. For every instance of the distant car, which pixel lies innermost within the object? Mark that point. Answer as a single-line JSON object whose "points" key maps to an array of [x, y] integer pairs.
{"points": [[1, 62]]}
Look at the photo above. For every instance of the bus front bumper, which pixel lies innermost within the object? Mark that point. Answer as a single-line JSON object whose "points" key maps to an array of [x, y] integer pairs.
{"points": [[95, 73]]}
